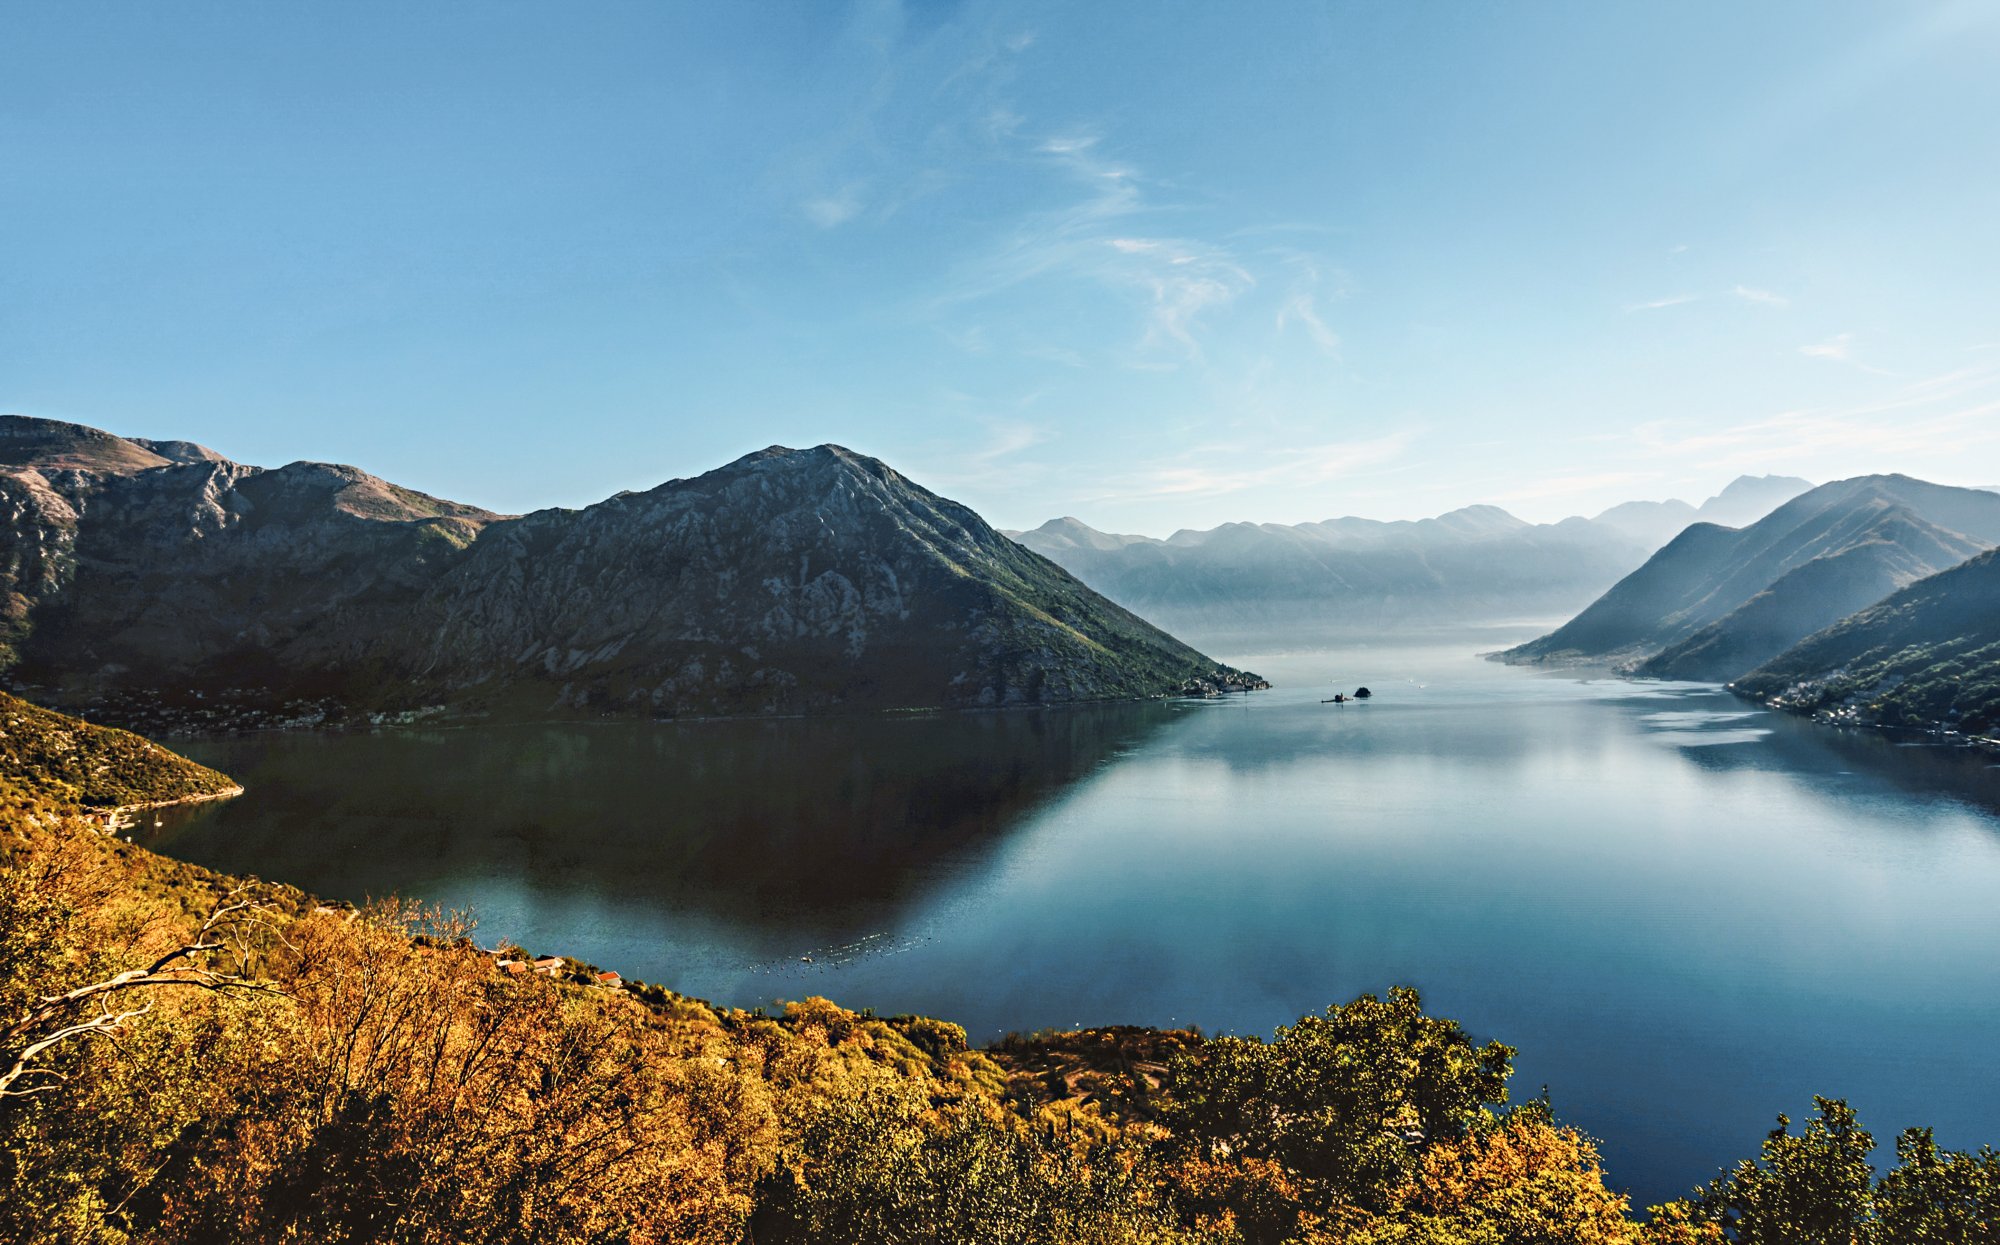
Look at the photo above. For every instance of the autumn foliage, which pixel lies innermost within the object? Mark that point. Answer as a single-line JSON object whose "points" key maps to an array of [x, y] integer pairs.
{"points": [[370, 1076]]}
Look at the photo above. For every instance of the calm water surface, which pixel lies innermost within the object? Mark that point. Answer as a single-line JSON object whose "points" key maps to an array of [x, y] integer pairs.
{"points": [[1688, 914]]}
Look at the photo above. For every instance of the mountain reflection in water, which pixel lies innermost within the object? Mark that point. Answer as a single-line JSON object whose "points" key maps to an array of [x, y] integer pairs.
{"points": [[802, 833]]}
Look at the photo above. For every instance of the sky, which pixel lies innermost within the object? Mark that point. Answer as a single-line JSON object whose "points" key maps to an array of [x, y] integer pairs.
{"points": [[1155, 265]]}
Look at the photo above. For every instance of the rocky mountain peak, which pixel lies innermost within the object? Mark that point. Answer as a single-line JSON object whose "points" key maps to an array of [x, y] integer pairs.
{"points": [[53, 445]]}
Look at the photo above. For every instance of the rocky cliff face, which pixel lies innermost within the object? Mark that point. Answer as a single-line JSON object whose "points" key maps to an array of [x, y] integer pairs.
{"points": [[789, 581]]}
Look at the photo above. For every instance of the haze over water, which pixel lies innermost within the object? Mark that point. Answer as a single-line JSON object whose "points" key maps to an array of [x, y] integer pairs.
{"points": [[1687, 913]]}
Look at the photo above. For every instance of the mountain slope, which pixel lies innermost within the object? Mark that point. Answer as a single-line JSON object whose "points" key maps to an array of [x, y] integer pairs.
{"points": [[219, 574], [1927, 656], [1898, 549], [1251, 584], [52, 759], [1708, 573], [789, 581]]}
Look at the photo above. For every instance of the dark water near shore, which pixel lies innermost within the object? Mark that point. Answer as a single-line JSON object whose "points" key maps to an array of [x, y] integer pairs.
{"points": [[1688, 914]]}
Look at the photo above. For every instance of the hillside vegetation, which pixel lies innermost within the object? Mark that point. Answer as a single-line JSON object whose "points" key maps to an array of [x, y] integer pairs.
{"points": [[284, 1070], [48, 757], [1929, 656]]}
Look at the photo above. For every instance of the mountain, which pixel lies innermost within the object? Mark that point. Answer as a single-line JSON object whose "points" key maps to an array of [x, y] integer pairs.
{"points": [[1744, 501], [1718, 601], [1651, 523], [1927, 656], [790, 578], [1747, 499], [121, 565], [787, 581], [1247, 584]]}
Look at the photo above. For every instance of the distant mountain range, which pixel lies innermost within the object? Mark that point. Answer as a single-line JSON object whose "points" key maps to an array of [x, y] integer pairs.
{"points": [[1249, 584], [1928, 655], [1745, 500], [787, 581], [1717, 602]]}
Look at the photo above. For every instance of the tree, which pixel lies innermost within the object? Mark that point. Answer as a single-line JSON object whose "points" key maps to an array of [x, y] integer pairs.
{"points": [[1330, 1116], [214, 958], [1809, 1188], [1939, 1196], [1519, 1181]]}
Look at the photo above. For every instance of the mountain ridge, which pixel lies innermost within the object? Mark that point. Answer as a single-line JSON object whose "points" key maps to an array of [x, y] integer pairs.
{"points": [[1926, 656], [788, 580], [1247, 583], [1715, 596]]}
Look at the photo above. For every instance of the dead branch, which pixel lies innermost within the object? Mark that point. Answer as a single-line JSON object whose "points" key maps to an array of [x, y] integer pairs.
{"points": [[53, 1020]]}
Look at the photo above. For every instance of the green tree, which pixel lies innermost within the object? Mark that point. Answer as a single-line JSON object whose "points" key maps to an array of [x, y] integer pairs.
{"points": [[1809, 1188], [1938, 1197], [1330, 1116]]}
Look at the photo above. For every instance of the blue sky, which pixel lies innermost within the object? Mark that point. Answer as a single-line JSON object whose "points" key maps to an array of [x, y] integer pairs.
{"points": [[1157, 266]]}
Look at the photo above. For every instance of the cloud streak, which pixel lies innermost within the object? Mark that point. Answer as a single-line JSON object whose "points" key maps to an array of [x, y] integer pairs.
{"points": [[1751, 294], [1837, 348], [1960, 409], [1220, 471], [1658, 303]]}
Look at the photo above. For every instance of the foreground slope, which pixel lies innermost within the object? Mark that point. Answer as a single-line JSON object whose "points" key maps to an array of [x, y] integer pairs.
{"points": [[789, 581], [1928, 656], [1717, 601]]}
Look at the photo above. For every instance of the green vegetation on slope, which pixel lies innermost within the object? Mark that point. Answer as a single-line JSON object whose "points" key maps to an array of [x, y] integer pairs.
{"points": [[1929, 656], [53, 758]]}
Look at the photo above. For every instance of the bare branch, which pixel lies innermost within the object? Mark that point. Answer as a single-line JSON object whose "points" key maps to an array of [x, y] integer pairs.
{"points": [[50, 1022]]}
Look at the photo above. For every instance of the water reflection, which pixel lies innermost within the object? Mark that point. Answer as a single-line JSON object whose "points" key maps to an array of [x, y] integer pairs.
{"points": [[813, 831]]}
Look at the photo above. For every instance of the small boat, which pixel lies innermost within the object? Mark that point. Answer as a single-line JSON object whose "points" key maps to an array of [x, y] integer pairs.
{"points": [[1338, 699]]}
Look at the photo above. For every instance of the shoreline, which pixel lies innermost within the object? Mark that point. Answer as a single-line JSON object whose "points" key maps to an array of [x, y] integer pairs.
{"points": [[118, 818]]}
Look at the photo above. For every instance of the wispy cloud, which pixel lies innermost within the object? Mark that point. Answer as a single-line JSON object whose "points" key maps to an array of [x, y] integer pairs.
{"points": [[1005, 438], [1133, 239], [1174, 281], [1302, 309], [1570, 485], [1840, 349], [1837, 348], [1218, 470], [831, 211], [1657, 303], [1960, 409], [1751, 294]]}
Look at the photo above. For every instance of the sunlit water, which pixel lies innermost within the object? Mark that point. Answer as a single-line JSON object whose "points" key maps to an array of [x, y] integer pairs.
{"points": [[1686, 913]]}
